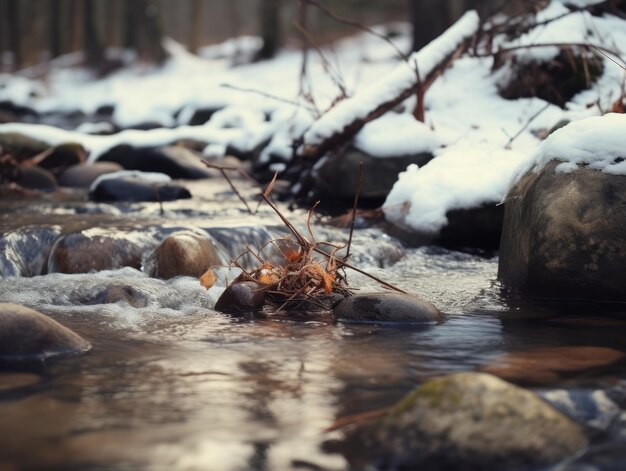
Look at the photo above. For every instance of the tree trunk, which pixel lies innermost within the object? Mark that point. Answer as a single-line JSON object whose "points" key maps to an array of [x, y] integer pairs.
{"points": [[270, 28], [54, 28], [152, 33], [92, 46], [429, 18], [195, 35], [13, 27]]}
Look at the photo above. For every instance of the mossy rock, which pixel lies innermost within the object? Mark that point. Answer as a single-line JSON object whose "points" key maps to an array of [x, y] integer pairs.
{"points": [[476, 421]]}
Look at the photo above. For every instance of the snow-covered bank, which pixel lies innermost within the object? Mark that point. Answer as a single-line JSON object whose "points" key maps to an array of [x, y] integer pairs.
{"points": [[479, 138]]}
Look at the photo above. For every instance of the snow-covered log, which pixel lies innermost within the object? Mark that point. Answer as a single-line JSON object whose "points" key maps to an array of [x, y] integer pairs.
{"points": [[348, 117]]}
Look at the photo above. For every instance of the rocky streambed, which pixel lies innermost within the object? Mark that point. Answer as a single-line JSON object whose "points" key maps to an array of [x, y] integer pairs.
{"points": [[165, 381]]}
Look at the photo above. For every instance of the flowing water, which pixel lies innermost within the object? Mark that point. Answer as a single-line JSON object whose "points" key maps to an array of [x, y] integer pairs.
{"points": [[172, 384]]}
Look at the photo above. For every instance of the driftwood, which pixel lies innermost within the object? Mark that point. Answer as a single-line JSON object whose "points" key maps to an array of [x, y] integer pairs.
{"points": [[317, 141]]}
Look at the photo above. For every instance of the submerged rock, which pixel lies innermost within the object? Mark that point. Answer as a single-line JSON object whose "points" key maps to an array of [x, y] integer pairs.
{"points": [[475, 421], [175, 161], [241, 298], [183, 253], [26, 334], [545, 365], [563, 235], [387, 307], [82, 176]]}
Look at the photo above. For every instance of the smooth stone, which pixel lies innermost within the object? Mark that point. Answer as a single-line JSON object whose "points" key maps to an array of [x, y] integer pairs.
{"points": [[182, 254], [544, 365], [26, 334], [83, 252], [475, 421], [563, 235], [240, 298], [387, 307], [82, 176], [36, 178], [133, 190], [176, 161]]}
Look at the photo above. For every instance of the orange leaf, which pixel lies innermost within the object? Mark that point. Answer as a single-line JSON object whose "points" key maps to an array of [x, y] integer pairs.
{"points": [[208, 279]]}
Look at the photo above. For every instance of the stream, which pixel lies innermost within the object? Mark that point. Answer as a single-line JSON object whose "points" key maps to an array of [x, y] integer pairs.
{"points": [[172, 384]]}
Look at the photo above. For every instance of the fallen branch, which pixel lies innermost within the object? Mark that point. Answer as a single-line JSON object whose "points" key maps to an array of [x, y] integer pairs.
{"points": [[348, 117]]}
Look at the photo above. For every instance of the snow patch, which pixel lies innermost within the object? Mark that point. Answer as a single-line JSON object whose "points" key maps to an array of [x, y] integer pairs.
{"points": [[461, 177], [599, 142]]}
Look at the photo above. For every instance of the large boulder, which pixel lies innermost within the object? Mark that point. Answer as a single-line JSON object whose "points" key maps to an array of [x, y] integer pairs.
{"points": [[175, 161], [26, 334], [387, 307], [182, 253], [337, 177], [563, 235], [475, 421]]}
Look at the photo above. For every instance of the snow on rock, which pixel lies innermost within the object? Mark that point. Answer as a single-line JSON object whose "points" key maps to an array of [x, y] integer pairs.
{"points": [[394, 135], [148, 177], [368, 99], [97, 145], [599, 142], [461, 177]]}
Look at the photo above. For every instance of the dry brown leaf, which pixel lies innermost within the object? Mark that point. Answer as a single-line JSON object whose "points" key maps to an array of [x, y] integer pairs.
{"points": [[208, 279]]}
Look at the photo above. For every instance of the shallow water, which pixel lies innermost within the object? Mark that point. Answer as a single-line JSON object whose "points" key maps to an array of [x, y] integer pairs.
{"points": [[176, 385]]}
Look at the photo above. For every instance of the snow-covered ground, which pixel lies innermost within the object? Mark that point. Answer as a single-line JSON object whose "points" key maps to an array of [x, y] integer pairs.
{"points": [[480, 139]]}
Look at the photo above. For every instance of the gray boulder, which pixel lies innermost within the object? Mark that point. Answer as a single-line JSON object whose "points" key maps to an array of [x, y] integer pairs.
{"points": [[563, 235], [387, 307], [338, 176], [26, 334], [475, 421]]}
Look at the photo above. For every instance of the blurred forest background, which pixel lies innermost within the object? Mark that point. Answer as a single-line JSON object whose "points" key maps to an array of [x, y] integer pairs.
{"points": [[35, 31]]}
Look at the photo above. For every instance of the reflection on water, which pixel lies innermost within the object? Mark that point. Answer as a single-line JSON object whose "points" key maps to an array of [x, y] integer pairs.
{"points": [[172, 384]]}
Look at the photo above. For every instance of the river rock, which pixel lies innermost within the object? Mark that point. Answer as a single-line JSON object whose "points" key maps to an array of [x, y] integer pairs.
{"points": [[26, 334], [182, 253], [240, 298], [120, 293], [35, 178], [563, 235], [175, 161], [82, 176], [135, 189], [338, 176], [64, 156], [21, 146], [475, 421], [97, 250], [387, 307], [545, 365]]}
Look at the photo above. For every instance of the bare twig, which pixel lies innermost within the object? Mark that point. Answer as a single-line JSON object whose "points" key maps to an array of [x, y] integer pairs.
{"points": [[526, 124], [232, 186], [357, 193], [362, 272], [355, 24], [268, 95]]}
